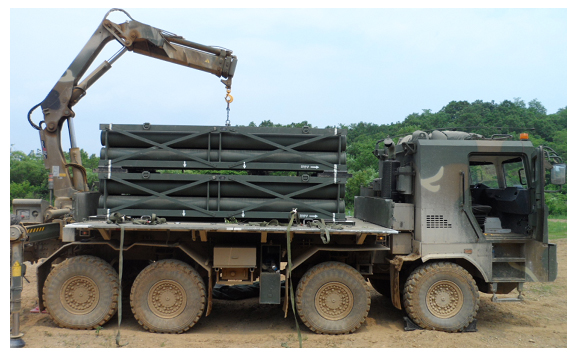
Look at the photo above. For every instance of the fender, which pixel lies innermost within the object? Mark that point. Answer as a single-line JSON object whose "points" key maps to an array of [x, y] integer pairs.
{"points": [[456, 256]]}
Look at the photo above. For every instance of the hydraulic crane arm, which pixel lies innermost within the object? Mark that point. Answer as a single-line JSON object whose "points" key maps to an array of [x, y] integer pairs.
{"points": [[133, 36]]}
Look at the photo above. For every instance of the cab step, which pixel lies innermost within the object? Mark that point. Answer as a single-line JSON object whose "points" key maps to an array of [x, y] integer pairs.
{"points": [[495, 299]]}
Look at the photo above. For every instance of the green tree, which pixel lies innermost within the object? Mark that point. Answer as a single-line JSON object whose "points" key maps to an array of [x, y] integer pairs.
{"points": [[28, 167], [359, 178], [28, 176]]}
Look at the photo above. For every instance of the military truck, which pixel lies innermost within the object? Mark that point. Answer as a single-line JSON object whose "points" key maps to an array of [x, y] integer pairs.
{"points": [[180, 209]]}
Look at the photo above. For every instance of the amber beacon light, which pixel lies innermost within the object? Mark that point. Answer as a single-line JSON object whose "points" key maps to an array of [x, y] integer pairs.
{"points": [[524, 136]]}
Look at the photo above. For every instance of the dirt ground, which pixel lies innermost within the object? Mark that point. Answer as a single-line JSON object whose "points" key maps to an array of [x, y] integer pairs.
{"points": [[539, 321]]}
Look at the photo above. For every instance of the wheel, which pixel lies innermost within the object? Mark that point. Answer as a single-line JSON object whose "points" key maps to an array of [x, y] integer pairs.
{"points": [[382, 286], [81, 292], [441, 296], [333, 298], [168, 296]]}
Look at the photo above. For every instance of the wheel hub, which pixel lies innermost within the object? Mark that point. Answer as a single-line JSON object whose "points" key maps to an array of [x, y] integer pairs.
{"points": [[334, 301], [167, 299], [79, 295], [444, 299]]}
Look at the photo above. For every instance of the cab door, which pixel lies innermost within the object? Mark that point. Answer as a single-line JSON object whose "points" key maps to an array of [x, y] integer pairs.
{"points": [[538, 217]]}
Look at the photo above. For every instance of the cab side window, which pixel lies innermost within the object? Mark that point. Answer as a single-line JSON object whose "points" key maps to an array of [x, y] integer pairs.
{"points": [[514, 173], [484, 174]]}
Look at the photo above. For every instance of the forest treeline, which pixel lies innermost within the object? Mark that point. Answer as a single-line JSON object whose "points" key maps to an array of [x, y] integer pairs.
{"points": [[28, 177]]}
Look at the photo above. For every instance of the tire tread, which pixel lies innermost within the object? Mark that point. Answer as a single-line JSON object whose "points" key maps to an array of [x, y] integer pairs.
{"points": [[89, 261], [178, 266], [320, 268], [411, 290]]}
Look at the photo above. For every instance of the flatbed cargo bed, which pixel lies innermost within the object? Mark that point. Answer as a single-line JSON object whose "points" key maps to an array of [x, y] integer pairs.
{"points": [[359, 227]]}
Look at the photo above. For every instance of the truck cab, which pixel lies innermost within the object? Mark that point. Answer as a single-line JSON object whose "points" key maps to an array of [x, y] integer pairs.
{"points": [[462, 199]]}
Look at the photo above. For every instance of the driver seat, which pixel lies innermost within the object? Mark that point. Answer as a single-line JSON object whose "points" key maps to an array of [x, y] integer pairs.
{"points": [[481, 212]]}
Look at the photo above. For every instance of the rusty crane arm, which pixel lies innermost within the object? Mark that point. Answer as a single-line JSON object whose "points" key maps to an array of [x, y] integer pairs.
{"points": [[133, 36]]}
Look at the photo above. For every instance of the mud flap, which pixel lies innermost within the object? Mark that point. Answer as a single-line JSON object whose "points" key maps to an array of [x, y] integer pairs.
{"points": [[552, 262], [395, 266], [209, 294], [395, 290]]}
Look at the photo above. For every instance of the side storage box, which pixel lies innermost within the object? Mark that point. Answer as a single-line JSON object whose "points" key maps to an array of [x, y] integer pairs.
{"points": [[385, 212]]}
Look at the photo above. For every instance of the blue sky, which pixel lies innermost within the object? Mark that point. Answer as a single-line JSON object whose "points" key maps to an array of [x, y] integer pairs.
{"points": [[327, 66]]}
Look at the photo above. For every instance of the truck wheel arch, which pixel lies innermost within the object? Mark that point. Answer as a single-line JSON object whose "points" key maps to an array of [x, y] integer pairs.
{"points": [[462, 260]]}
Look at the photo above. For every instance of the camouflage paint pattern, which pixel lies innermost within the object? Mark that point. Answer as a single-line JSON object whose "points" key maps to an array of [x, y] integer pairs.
{"points": [[445, 225]]}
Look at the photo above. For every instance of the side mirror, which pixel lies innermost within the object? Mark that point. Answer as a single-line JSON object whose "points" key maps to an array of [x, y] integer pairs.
{"points": [[558, 174]]}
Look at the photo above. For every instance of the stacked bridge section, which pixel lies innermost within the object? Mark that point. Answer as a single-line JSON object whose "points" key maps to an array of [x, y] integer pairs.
{"points": [[222, 172]]}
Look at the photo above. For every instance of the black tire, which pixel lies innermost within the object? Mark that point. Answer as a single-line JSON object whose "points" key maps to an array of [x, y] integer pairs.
{"points": [[318, 295], [81, 293], [168, 296], [382, 286], [441, 296], [131, 269]]}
